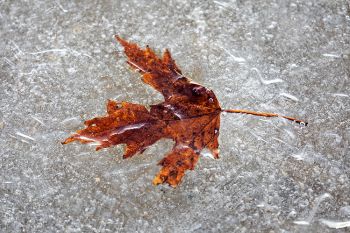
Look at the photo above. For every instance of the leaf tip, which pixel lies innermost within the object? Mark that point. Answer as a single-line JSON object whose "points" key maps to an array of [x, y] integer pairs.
{"points": [[215, 153], [157, 180], [68, 140], [120, 40], [117, 37]]}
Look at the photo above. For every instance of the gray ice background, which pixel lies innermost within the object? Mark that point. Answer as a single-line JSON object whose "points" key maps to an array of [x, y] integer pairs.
{"points": [[60, 63]]}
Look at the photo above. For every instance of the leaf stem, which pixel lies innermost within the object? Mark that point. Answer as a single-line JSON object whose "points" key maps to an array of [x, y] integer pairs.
{"points": [[264, 114]]}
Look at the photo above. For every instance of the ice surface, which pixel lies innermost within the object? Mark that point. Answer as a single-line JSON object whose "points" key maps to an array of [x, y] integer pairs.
{"points": [[60, 64]]}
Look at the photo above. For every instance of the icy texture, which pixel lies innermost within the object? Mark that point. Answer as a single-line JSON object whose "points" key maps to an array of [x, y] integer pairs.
{"points": [[60, 64]]}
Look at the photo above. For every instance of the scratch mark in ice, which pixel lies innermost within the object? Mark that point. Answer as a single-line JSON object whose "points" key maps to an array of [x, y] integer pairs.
{"points": [[49, 9], [261, 205], [318, 201], [33, 71], [83, 54], [290, 134], [61, 51], [277, 139], [339, 95], [289, 96], [22, 140], [84, 153], [334, 224], [300, 156], [49, 51], [8, 61], [61, 7], [264, 81], [234, 58], [25, 136], [239, 60], [222, 4], [331, 55], [134, 169], [70, 119], [258, 137], [301, 223], [36, 119], [17, 47], [267, 207]]}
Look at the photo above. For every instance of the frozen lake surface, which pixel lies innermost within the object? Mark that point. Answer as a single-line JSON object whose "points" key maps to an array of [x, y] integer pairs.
{"points": [[60, 64]]}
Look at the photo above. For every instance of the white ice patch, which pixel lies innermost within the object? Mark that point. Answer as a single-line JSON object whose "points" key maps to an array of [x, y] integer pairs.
{"points": [[264, 81], [207, 153], [331, 55], [289, 96], [335, 224], [25, 136], [37, 120], [301, 223], [339, 95], [234, 58]]}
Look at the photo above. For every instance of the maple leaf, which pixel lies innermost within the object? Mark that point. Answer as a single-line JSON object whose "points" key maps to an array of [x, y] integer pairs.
{"points": [[189, 115]]}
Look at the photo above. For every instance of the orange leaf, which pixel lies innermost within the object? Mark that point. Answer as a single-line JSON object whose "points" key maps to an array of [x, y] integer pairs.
{"points": [[189, 115]]}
